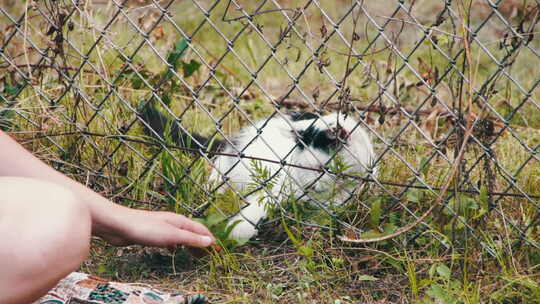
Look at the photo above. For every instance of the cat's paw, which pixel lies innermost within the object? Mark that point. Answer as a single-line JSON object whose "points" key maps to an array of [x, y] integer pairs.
{"points": [[242, 231]]}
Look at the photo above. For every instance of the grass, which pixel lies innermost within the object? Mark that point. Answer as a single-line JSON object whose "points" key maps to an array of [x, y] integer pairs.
{"points": [[470, 252]]}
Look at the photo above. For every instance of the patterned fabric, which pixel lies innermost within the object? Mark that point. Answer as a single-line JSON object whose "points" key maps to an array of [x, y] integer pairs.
{"points": [[87, 289]]}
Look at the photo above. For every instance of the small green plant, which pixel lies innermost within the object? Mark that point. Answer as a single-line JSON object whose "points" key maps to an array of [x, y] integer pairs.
{"points": [[184, 179], [440, 285], [221, 229], [219, 224]]}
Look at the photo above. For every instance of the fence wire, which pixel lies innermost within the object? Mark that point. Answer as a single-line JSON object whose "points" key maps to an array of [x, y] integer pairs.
{"points": [[446, 90]]}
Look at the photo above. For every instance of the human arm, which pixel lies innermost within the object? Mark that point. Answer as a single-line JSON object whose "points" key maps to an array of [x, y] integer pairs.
{"points": [[116, 224]]}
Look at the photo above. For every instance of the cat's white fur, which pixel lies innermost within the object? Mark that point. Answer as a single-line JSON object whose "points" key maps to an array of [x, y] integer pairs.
{"points": [[277, 138]]}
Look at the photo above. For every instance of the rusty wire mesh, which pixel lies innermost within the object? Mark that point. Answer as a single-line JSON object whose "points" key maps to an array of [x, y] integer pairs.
{"points": [[424, 78]]}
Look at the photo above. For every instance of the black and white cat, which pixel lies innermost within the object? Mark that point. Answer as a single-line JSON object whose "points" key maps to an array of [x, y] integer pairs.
{"points": [[299, 138]]}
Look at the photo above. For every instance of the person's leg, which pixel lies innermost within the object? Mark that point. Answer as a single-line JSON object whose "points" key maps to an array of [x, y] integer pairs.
{"points": [[44, 235]]}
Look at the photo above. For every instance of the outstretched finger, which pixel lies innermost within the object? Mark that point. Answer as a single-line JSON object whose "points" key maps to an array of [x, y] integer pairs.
{"points": [[183, 222], [192, 239]]}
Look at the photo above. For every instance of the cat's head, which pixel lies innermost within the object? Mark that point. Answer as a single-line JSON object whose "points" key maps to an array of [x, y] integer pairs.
{"points": [[335, 133]]}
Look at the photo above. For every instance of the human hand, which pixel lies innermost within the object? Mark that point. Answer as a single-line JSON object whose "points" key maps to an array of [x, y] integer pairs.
{"points": [[153, 228], [116, 224]]}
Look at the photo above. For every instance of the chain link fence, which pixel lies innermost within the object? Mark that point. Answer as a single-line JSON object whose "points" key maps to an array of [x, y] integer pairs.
{"points": [[447, 91]]}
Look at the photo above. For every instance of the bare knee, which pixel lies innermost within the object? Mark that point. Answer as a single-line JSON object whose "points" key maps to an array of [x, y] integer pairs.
{"points": [[45, 234], [65, 224]]}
